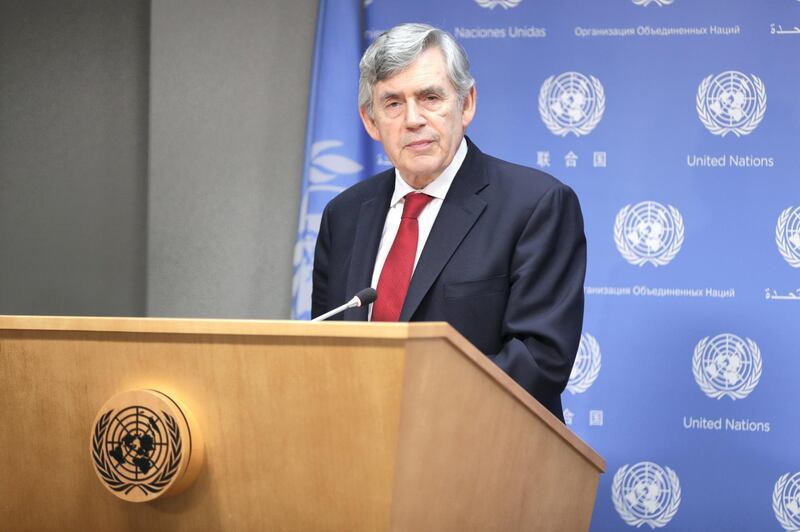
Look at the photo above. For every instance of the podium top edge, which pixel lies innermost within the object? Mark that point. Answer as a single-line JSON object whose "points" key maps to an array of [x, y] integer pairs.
{"points": [[302, 329], [336, 329]]}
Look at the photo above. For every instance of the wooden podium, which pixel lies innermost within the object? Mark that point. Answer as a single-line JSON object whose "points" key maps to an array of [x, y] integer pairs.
{"points": [[330, 426]]}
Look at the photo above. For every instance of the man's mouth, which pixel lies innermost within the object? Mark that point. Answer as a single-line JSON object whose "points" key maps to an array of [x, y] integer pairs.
{"points": [[419, 145]]}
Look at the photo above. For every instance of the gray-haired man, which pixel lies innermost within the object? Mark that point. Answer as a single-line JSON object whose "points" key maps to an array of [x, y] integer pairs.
{"points": [[450, 234]]}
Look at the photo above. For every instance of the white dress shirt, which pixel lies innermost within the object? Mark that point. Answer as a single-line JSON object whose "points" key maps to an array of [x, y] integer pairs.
{"points": [[437, 189]]}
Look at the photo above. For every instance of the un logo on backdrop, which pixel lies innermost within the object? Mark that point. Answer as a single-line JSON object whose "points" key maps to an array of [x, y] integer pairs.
{"points": [[731, 102], [491, 4], [659, 3], [646, 493], [571, 103], [587, 365], [726, 365], [786, 501], [648, 232], [787, 236]]}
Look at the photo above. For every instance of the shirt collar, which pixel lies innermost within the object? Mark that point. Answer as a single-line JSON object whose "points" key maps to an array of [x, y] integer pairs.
{"points": [[438, 187]]}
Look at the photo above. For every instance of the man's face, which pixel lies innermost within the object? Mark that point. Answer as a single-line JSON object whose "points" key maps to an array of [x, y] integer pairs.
{"points": [[417, 117]]}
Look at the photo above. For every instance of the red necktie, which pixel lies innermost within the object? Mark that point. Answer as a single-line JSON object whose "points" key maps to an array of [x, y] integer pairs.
{"points": [[396, 273]]}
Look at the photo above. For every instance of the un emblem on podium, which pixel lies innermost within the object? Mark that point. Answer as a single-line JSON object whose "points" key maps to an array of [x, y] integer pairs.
{"points": [[646, 494], [586, 366], [731, 102], [727, 365], [648, 232], [571, 103], [787, 236], [786, 501], [144, 446]]}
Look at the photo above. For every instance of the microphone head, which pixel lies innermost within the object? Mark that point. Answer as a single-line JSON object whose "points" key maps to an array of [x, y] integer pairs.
{"points": [[367, 296]]}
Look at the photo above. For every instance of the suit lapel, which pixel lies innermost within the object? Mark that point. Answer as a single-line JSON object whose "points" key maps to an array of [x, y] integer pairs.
{"points": [[371, 217], [460, 210]]}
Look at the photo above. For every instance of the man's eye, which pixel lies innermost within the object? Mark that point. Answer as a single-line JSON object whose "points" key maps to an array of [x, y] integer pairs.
{"points": [[432, 97]]}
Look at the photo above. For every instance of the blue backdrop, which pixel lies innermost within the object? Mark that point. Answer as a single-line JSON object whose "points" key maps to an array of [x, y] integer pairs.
{"points": [[678, 125]]}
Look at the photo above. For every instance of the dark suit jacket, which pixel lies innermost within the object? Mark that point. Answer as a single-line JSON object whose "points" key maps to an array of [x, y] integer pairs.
{"points": [[504, 264]]}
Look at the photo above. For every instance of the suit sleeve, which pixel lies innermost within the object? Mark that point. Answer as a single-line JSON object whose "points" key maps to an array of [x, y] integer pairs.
{"points": [[544, 315], [319, 292]]}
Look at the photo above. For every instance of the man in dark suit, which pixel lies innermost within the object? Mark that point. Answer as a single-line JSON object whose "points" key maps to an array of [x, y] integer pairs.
{"points": [[497, 250]]}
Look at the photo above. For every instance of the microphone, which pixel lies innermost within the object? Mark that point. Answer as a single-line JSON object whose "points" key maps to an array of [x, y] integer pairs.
{"points": [[364, 297]]}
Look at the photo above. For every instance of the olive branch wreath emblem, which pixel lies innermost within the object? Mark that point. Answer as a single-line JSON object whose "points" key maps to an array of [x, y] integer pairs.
{"points": [[631, 519], [753, 120], [779, 508], [709, 389], [631, 256], [491, 4], [593, 348], [106, 470], [782, 239], [659, 3], [583, 129]]}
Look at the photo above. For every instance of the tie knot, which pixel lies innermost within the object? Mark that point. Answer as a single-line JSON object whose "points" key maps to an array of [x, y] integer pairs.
{"points": [[414, 203]]}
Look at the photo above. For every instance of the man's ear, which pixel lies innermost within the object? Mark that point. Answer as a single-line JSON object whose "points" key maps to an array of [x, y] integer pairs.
{"points": [[468, 110], [369, 124]]}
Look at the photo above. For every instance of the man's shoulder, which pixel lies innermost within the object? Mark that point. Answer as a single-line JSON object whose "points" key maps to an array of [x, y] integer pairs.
{"points": [[370, 188], [521, 181]]}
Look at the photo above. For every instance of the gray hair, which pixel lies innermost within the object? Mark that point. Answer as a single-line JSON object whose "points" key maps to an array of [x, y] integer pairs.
{"points": [[397, 48]]}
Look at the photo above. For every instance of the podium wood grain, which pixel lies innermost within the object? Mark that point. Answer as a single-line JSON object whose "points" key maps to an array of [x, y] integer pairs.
{"points": [[331, 426]]}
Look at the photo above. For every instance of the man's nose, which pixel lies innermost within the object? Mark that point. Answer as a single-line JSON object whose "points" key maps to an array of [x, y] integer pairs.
{"points": [[414, 117]]}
